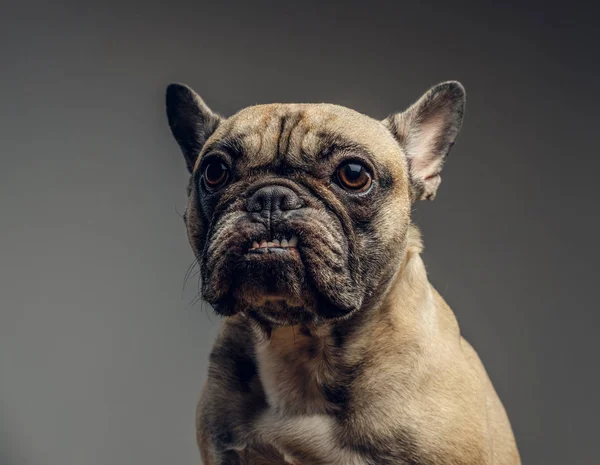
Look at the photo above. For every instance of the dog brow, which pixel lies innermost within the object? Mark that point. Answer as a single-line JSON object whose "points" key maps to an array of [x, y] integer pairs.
{"points": [[232, 146], [333, 144]]}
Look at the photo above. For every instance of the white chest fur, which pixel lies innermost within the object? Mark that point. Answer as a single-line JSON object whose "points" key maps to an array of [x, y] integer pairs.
{"points": [[293, 367], [305, 437]]}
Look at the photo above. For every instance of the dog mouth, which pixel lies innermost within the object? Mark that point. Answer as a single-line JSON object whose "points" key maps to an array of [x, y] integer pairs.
{"points": [[288, 271], [278, 245]]}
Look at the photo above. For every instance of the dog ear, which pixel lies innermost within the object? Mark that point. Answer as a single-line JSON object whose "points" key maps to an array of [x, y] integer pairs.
{"points": [[190, 120], [426, 132]]}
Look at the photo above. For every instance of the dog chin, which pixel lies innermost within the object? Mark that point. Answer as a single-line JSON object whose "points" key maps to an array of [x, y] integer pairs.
{"points": [[279, 310], [277, 294]]}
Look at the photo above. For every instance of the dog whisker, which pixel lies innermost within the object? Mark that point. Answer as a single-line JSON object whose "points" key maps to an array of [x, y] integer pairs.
{"points": [[188, 274]]}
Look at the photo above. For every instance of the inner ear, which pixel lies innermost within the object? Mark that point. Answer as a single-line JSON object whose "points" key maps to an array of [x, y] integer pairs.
{"points": [[426, 132], [190, 120]]}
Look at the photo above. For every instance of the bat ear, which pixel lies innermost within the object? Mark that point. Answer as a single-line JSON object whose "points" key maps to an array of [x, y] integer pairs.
{"points": [[426, 132], [190, 120]]}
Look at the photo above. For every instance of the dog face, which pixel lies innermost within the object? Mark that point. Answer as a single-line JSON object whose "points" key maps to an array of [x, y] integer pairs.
{"points": [[298, 213]]}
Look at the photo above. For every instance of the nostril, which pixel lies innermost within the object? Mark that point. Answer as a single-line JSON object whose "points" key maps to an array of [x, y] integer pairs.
{"points": [[258, 203], [290, 202]]}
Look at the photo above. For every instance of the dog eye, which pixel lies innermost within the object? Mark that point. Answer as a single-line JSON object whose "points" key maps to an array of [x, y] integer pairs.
{"points": [[354, 177], [216, 174]]}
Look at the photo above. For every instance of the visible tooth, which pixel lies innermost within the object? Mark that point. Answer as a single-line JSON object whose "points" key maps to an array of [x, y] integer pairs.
{"points": [[275, 243], [270, 244], [255, 245], [293, 242], [284, 243], [263, 244]]}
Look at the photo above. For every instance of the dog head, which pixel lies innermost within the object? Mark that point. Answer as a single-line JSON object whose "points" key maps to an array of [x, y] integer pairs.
{"points": [[300, 212]]}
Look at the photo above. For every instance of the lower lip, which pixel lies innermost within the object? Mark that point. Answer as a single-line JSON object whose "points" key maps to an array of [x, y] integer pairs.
{"points": [[273, 250]]}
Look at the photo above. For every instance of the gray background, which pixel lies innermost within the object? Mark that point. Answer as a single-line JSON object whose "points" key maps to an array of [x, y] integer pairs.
{"points": [[102, 360]]}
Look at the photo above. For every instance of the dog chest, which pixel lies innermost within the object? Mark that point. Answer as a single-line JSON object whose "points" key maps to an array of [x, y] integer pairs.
{"points": [[305, 439], [296, 372]]}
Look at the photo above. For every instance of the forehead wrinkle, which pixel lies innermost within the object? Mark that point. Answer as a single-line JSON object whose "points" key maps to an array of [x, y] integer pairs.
{"points": [[290, 121], [256, 126], [295, 153], [268, 136]]}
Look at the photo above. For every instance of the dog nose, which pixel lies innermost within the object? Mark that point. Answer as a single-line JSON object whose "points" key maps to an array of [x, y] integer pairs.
{"points": [[273, 200]]}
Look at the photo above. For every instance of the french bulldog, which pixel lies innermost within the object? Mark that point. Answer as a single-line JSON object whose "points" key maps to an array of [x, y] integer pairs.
{"points": [[334, 347]]}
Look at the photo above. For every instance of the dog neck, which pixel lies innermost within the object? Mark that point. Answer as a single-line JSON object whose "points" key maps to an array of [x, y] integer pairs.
{"points": [[411, 301], [304, 368]]}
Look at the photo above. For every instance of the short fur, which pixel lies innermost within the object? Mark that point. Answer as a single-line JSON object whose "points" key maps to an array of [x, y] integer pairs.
{"points": [[342, 352]]}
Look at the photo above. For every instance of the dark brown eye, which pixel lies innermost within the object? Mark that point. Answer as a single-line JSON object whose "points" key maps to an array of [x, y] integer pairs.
{"points": [[216, 174], [354, 177]]}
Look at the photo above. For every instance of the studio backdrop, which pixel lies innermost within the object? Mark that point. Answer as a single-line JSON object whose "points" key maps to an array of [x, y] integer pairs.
{"points": [[102, 355]]}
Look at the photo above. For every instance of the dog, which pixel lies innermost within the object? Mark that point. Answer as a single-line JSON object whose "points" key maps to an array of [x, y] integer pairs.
{"points": [[335, 348]]}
